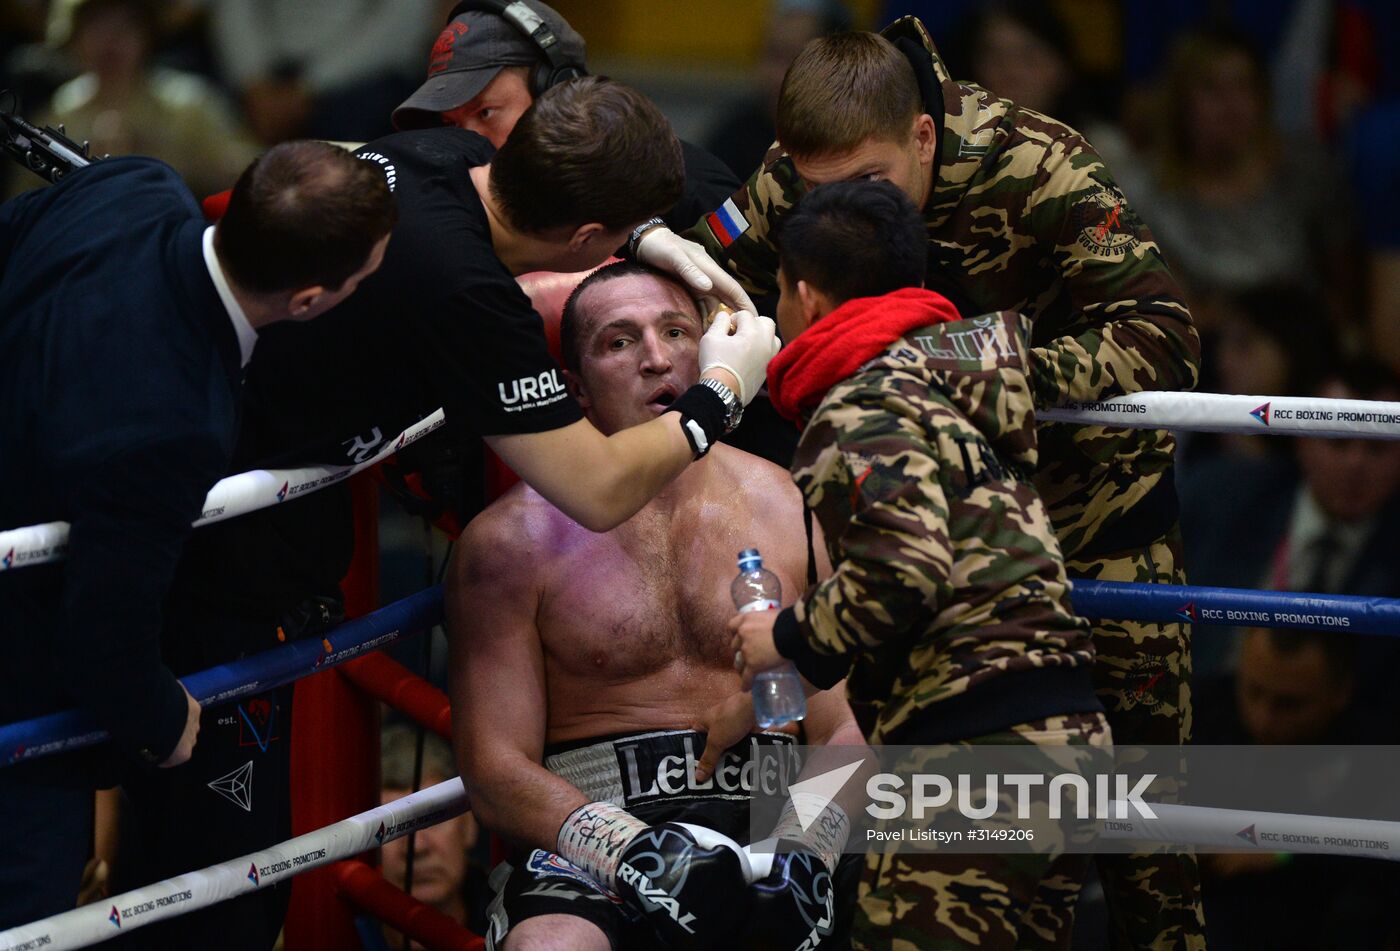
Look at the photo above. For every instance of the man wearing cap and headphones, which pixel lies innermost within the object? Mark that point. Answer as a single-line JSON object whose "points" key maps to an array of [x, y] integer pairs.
{"points": [[493, 59]]}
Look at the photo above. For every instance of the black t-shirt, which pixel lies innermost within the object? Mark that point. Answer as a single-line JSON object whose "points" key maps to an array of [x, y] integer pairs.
{"points": [[441, 323]]}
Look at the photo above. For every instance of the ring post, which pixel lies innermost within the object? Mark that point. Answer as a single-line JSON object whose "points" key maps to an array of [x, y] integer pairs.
{"points": [[335, 750], [366, 888]]}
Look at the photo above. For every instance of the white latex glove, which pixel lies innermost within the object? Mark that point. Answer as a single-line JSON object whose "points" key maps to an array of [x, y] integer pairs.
{"points": [[745, 353], [667, 251]]}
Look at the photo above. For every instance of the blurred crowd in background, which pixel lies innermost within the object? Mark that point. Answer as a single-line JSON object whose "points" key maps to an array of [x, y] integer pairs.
{"points": [[1258, 139]]}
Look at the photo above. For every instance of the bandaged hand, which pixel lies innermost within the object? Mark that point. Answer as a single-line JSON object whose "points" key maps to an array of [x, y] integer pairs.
{"points": [[744, 353], [663, 249], [687, 881]]}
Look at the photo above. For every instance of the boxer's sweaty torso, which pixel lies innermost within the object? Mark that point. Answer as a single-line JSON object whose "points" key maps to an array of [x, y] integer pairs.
{"points": [[632, 622]]}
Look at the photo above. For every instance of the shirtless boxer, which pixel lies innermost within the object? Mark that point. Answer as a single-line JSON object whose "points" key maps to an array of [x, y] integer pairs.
{"points": [[581, 662]]}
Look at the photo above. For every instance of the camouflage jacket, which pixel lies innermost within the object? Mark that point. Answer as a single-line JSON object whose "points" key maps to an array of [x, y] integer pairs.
{"points": [[1024, 216], [946, 572]]}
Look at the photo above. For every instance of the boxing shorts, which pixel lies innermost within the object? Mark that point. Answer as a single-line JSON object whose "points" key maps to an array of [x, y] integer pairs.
{"points": [[652, 776]]}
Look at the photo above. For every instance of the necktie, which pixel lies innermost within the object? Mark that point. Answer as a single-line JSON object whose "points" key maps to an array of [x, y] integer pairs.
{"points": [[1323, 551]]}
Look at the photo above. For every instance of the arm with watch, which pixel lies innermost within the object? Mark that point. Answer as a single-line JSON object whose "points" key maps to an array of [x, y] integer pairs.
{"points": [[601, 481]]}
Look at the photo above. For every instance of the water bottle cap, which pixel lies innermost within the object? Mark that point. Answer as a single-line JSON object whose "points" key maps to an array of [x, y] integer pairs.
{"points": [[749, 559]]}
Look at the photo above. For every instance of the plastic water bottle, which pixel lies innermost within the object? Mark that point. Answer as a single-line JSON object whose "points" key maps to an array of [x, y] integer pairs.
{"points": [[777, 693]]}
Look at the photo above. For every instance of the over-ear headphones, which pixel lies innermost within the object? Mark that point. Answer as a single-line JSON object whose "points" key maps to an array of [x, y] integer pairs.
{"points": [[553, 70]]}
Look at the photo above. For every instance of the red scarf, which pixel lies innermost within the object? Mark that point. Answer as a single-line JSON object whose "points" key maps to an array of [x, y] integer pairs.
{"points": [[837, 345]]}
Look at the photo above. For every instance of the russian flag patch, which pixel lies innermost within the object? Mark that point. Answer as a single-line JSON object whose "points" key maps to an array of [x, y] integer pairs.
{"points": [[727, 223]]}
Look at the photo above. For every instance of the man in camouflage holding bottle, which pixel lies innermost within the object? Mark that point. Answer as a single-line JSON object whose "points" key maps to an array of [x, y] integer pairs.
{"points": [[948, 603], [1022, 215]]}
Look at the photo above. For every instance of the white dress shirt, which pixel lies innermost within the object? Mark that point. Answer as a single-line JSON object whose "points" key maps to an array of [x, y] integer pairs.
{"points": [[247, 336]]}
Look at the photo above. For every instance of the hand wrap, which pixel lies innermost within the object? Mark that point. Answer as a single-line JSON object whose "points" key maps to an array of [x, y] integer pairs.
{"points": [[688, 882]]}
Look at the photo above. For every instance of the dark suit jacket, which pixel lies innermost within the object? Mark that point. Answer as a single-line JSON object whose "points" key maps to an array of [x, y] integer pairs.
{"points": [[1234, 515], [119, 379]]}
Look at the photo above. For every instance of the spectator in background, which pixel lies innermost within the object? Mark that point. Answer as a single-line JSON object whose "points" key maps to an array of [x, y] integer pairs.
{"points": [[1293, 688], [1331, 525], [1374, 147], [1231, 202], [1290, 36], [744, 135], [126, 106], [1267, 343], [1365, 61], [444, 876], [330, 69], [1021, 50], [1363, 102], [21, 29]]}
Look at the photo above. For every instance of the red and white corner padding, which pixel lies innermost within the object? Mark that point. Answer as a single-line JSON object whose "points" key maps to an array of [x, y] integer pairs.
{"points": [[100, 921], [1222, 413], [236, 495]]}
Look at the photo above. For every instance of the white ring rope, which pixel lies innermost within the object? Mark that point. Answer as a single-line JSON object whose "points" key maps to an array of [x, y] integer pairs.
{"points": [[1234, 829], [1222, 413], [236, 495], [1197, 412], [101, 921], [1245, 830]]}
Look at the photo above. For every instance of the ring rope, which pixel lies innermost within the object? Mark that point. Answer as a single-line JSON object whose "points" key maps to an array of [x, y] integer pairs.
{"points": [[119, 914], [1246, 830], [1196, 412], [1178, 825], [1234, 607], [1122, 600], [1225, 413], [230, 497], [74, 729]]}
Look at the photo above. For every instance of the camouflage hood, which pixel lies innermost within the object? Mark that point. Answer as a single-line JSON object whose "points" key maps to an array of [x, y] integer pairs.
{"points": [[979, 366], [973, 124]]}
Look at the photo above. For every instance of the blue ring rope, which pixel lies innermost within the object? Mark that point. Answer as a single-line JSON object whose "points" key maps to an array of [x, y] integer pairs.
{"points": [[1236, 607], [74, 729], [1157, 603]]}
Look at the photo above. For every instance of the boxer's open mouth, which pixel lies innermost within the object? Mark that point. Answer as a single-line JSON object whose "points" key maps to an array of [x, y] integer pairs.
{"points": [[662, 398]]}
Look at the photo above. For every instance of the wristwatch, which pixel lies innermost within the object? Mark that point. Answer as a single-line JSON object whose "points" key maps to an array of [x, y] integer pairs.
{"points": [[640, 230], [733, 409]]}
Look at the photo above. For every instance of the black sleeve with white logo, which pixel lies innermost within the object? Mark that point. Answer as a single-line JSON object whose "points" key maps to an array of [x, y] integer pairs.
{"points": [[468, 334], [442, 323], [509, 382]]}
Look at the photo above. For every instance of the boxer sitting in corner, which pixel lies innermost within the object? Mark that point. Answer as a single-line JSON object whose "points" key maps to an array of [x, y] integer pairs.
{"points": [[584, 667]]}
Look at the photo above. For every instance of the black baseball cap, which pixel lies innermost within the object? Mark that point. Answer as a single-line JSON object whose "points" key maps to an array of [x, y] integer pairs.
{"points": [[468, 54]]}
